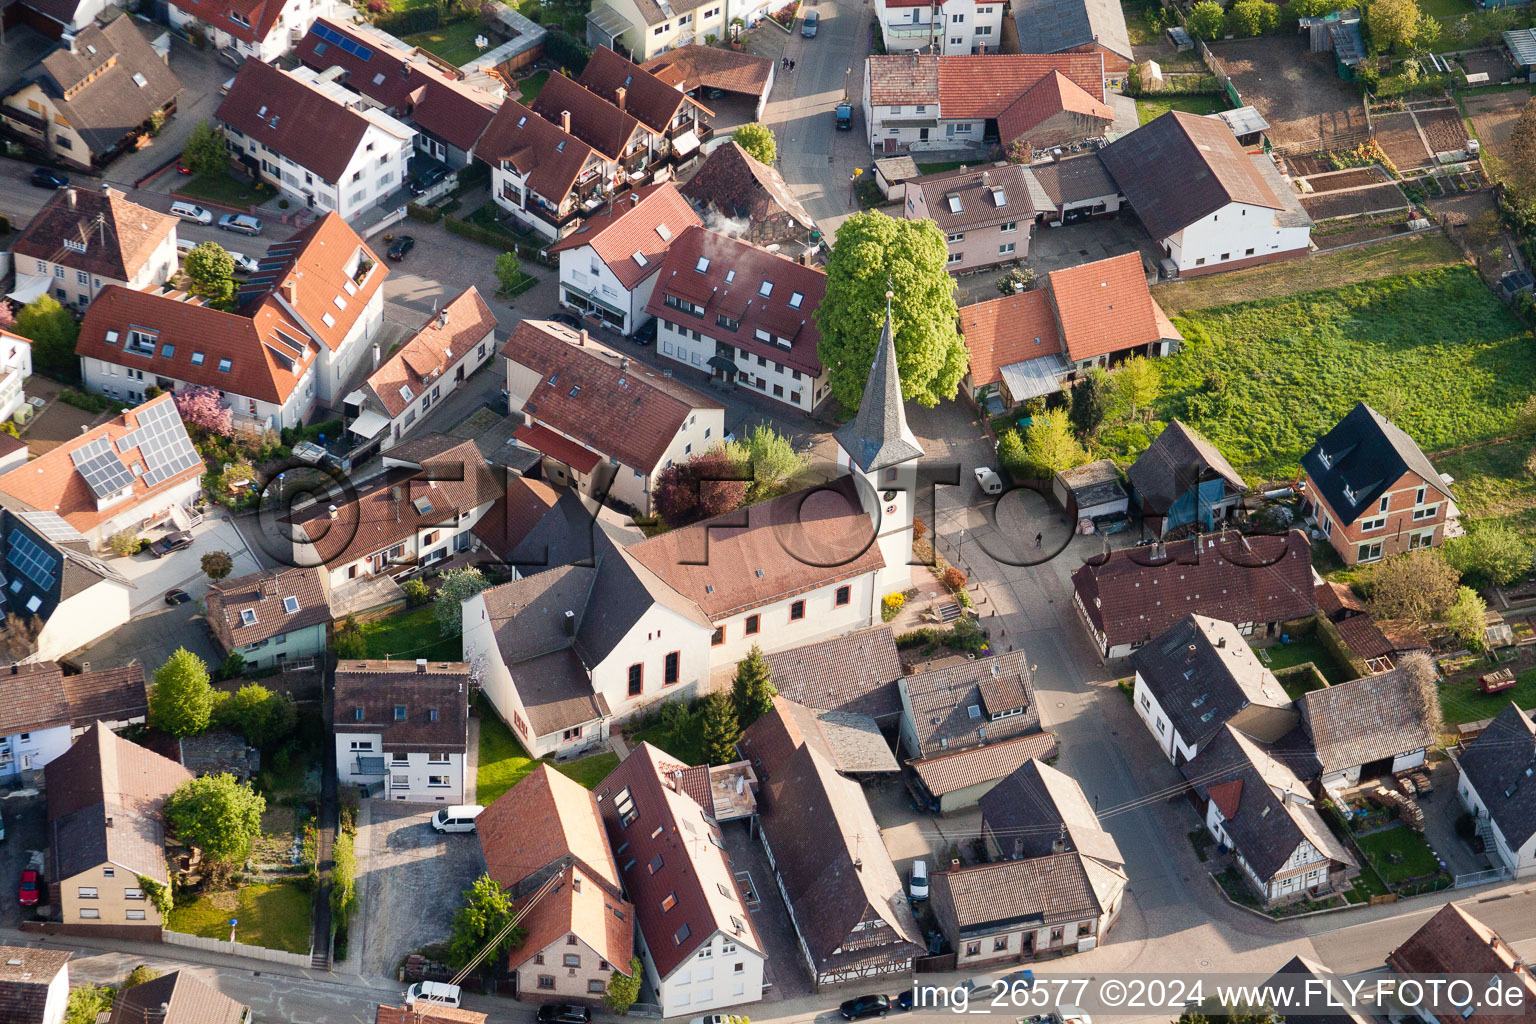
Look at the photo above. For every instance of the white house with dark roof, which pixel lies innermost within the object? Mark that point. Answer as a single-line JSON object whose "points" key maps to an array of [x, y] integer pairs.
{"points": [[950, 27], [263, 30], [273, 616], [83, 240], [986, 213], [402, 728], [34, 984], [1496, 786]]}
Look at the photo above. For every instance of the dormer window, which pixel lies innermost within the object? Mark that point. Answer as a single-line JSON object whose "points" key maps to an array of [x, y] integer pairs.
{"points": [[1322, 457], [240, 19], [1349, 494]]}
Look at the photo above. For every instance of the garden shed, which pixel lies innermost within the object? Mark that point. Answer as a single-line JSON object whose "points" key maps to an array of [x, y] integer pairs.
{"points": [[1091, 490]]}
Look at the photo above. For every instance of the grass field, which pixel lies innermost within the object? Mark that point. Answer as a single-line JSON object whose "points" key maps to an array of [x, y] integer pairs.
{"points": [[1366, 263], [412, 634], [1152, 109], [454, 42], [503, 761], [1491, 483], [1417, 859], [1434, 349], [1464, 702], [275, 916], [223, 188], [939, 168], [589, 771], [683, 743], [530, 87], [1298, 652]]}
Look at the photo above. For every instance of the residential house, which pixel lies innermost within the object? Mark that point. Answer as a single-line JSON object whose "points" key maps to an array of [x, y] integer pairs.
{"points": [[1375, 645], [946, 27], [449, 110], [1073, 188], [1015, 350], [53, 18], [321, 144], [1065, 26], [1258, 807], [1305, 983], [1496, 790], [260, 30], [968, 726], [979, 212], [105, 831], [302, 324], [647, 28], [90, 99], [1257, 582], [1207, 202], [135, 470], [421, 1013], [854, 673], [401, 728], [276, 614], [580, 933], [83, 240], [455, 341], [1196, 677], [851, 743], [1373, 491], [737, 194], [742, 313], [634, 154], [1365, 727], [608, 266], [34, 984], [67, 596], [1019, 910], [696, 941], [15, 368], [541, 174], [44, 711], [603, 426], [915, 102], [670, 116], [1453, 943], [1181, 479], [177, 998], [1038, 811], [695, 67]]}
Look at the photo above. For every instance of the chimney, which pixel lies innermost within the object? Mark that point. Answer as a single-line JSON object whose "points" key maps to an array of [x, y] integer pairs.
{"points": [[442, 319], [1018, 848], [85, 428], [291, 291], [15, 669], [421, 666], [1221, 643], [858, 862], [581, 339], [634, 199], [334, 512], [619, 95], [1058, 845], [570, 623], [565, 121], [69, 194], [624, 364]]}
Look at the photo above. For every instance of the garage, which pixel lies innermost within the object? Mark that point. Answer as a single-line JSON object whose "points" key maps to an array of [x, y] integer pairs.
{"points": [[1092, 491]]}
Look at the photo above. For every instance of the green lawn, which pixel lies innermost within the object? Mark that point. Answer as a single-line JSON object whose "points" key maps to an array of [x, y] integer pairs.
{"points": [[684, 743], [939, 168], [276, 916], [1417, 859], [1491, 483], [1151, 109], [530, 87], [1446, 8], [1464, 702], [454, 42], [589, 771], [222, 188], [413, 634], [1305, 649], [503, 761], [1300, 679], [1434, 348]]}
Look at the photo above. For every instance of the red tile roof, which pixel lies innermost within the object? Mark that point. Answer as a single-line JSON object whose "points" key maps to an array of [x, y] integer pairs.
{"points": [[594, 120], [259, 16], [1105, 307], [1455, 942], [293, 118], [647, 98], [547, 157], [562, 449], [314, 277], [51, 483], [985, 85], [579, 906], [1000, 332], [646, 222], [692, 66], [731, 284], [1051, 95], [545, 818], [446, 337]]}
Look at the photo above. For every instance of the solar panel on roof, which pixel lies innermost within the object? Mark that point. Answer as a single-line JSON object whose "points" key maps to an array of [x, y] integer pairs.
{"points": [[102, 468], [163, 443], [28, 556], [52, 526]]}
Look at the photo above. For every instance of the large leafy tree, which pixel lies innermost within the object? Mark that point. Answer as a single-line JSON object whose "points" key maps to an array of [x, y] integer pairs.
{"points": [[1393, 24], [181, 700], [1418, 586], [771, 458], [757, 139], [217, 814], [487, 909], [1253, 17], [708, 484], [1049, 447], [203, 407], [875, 253], [752, 690], [456, 587], [1090, 400], [52, 330], [624, 989], [1492, 553], [264, 718], [212, 270], [1465, 618], [1138, 381], [1207, 19], [204, 151]]}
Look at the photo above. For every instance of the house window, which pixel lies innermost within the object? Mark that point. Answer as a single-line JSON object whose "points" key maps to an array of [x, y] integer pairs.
{"points": [[1419, 495], [88, 892], [547, 981], [437, 759], [90, 915], [1427, 512], [636, 679], [595, 986], [999, 944], [672, 668], [655, 864], [973, 949], [1369, 552], [1423, 539], [438, 781], [797, 611], [572, 959], [573, 733], [1367, 525], [752, 624], [134, 915], [955, 257], [718, 637], [399, 758], [1005, 249], [1056, 934], [844, 595], [1385, 500]]}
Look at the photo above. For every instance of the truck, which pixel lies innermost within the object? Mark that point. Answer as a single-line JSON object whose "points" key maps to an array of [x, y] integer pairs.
{"points": [[844, 116]]}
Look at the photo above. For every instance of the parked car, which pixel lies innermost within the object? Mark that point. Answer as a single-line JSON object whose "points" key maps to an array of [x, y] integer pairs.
{"points": [[42, 177], [175, 542], [433, 993], [240, 223], [844, 116], [570, 320], [859, 1007], [458, 818], [30, 890], [1018, 980], [182, 168], [184, 246], [712, 1018], [904, 999], [177, 596], [191, 211], [810, 24], [990, 482], [423, 182], [245, 264], [919, 880], [400, 246], [564, 1013], [646, 334]]}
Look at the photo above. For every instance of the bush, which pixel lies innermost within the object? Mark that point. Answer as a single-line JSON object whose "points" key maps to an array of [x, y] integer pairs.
{"points": [[424, 214], [124, 543], [890, 606], [476, 233], [566, 50], [139, 975], [416, 591], [230, 667], [953, 580], [86, 400], [920, 637], [409, 22]]}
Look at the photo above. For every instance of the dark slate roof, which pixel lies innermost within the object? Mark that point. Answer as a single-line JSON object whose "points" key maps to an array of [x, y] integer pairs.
{"points": [[854, 672], [878, 436], [1075, 179], [1304, 979], [1496, 764], [1177, 460], [434, 696], [110, 103], [737, 184], [987, 898], [25, 974], [951, 712], [1202, 673], [1050, 26], [1034, 806], [1364, 720], [1365, 454], [852, 743]]}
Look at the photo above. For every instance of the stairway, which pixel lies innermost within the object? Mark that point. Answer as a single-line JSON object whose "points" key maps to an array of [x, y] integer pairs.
{"points": [[949, 613]]}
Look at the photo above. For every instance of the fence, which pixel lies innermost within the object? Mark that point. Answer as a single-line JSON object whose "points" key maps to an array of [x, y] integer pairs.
{"points": [[277, 956], [1481, 877], [1210, 61], [652, 1010]]}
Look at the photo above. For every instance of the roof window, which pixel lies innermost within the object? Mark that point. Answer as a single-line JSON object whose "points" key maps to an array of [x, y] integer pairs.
{"points": [[702, 265], [954, 202], [664, 231], [290, 604], [999, 197], [225, 365], [639, 258], [139, 80], [765, 289], [197, 359], [247, 617], [795, 300]]}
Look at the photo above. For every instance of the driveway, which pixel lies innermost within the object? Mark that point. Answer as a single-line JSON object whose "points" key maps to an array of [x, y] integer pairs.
{"points": [[412, 880], [785, 969], [151, 638], [183, 569], [26, 842]]}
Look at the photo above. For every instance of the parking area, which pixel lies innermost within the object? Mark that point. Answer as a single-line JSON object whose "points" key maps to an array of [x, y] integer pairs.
{"points": [[183, 569], [785, 969], [151, 638], [26, 840], [404, 867]]}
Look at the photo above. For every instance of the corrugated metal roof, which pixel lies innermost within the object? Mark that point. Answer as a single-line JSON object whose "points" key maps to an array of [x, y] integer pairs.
{"points": [[1035, 378]]}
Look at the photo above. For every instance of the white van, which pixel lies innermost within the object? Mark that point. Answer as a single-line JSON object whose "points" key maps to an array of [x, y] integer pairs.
{"points": [[458, 818], [191, 211], [432, 993], [919, 880]]}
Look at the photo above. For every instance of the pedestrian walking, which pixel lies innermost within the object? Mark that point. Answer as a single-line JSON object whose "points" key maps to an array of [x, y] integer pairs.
{"points": [[791, 67], [1039, 539], [784, 63]]}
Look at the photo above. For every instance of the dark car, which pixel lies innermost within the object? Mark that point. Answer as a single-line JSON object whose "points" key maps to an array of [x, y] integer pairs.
{"points": [[42, 177], [426, 179], [177, 596], [859, 1007], [570, 320], [564, 1013], [400, 246], [30, 890], [646, 334], [165, 545], [904, 999]]}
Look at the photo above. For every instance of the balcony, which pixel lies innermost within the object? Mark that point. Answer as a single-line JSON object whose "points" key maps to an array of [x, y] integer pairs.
{"points": [[909, 32]]}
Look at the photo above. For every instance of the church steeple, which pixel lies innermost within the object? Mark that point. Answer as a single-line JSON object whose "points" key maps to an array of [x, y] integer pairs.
{"points": [[878, 437]]}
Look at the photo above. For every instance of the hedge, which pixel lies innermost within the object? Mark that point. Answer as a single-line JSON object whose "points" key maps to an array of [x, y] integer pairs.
{"points": [[566, 50], [476, 233], [425, 214], [410, 22]]}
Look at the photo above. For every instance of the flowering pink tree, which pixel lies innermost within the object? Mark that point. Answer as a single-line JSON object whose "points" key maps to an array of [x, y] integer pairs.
{"points": [[7, 318], [201, 407]]}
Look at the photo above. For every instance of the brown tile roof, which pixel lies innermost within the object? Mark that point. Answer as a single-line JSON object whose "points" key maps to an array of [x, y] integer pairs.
{"points": [[594, 120], [693, 66], [985, 85], [1027, 812], [950, 710], [38, 695], [731, 284], [1054, 889], [51, 483], [545, 441], [1051, 95], [625, 412], [962, 769], [446, 337], [579, 906], [105, 694], [25, 974], [514, 515], [855, 672], [266, 596], [259, 16], [548, 158], [1258, 578], [421, 1015], [1105, 306], [648, 99], [117, 236], [1362, 720], [184, 1000], [645, 222], [788, 545], [1000, 332], [545, 818], [1181, 168], [1074, 179], [293, 118], [113, 104], [900, 78], [737, 184], [1333, 598], [1361, 636], [434, 696], [325, 270], [1454, 942], [412, 86], [977, 191], [673, 850]]}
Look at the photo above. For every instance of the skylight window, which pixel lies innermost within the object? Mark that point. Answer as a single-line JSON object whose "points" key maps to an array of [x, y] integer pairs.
{"points": [[702, 265], [197, 359], [139, 80], [560, 146], [406, 392], [999, 197], [765, 289], [225, 365], [263, 111], [111, 337], [340, 302], [639, 258], [247, 617], [795, 300], [522, 120], [954, 202], [290, 604], [378, 79], [575, 391], [664, 231], [327, 319], [730, 275], [167, 350]]}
